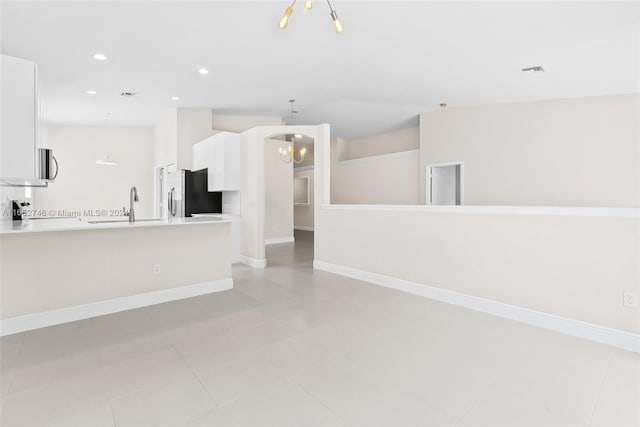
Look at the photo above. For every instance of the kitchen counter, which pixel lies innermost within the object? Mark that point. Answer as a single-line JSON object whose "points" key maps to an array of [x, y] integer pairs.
{"points": [[77, 224], [61, 270]]}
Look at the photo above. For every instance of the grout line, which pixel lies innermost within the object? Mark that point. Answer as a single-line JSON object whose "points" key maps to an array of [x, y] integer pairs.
{"points": [[314, 398], [600, 387]]}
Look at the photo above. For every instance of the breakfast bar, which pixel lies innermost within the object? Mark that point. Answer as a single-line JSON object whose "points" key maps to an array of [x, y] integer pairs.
{"points": [[79, 269]]}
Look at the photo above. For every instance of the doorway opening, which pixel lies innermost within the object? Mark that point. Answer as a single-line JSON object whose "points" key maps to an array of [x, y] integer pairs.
{"points": [[445, 184], [289, 199]]}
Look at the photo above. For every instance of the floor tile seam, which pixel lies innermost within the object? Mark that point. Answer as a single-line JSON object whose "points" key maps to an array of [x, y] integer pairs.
{"points": [[605, 372], [197, 377], [316, 399]]}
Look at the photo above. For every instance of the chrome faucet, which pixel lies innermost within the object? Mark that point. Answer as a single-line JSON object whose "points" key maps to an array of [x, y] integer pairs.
{"points": [[133, 197]]}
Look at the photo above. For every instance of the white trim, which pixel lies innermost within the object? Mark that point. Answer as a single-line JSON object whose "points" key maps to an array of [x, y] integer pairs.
{"points": [[496, 210], [378, 157], [278, 240], [601, 334], [43, 319], [305, 178], [302, 228], [253, 262], [303, 168], [429, 176]]}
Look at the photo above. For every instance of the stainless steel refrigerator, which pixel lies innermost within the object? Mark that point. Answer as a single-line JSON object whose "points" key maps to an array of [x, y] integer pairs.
{"points": [[188, 194]]}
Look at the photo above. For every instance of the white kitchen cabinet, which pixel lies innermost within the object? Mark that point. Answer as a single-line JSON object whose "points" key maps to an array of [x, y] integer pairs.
{"points": [[220, 154], [19, 121]]}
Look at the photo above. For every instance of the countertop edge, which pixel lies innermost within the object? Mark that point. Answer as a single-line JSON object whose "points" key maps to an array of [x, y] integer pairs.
{"points": [[85, 226]]}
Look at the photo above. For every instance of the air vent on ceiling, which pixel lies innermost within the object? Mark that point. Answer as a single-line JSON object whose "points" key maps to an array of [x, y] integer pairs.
{"points": [[536, 69], [128, 94]]}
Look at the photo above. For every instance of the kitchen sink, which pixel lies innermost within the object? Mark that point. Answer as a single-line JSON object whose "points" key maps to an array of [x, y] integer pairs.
{"points": [[105, 221]]}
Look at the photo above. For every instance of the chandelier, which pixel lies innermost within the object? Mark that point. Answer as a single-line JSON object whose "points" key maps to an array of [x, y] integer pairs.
{"points": [[288, 154], [308, 4]]}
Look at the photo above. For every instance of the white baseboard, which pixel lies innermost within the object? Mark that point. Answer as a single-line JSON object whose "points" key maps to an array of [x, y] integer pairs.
{"points": [[253, 262], [43, 319], [577, 328], [302, 228], [278, 240]]}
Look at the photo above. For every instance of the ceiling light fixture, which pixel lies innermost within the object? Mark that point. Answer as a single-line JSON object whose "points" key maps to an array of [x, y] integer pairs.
{"points": [[288, 154], [100, 57], [175, 98], [308, 4], [106, 161], [284, 19], [203, 71], [91, 92]]}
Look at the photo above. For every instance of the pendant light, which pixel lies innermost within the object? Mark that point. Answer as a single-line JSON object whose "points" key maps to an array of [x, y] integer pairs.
{"points": [[106, 161], [288, 154], [336, 22], [284, 19], [308, 5]]}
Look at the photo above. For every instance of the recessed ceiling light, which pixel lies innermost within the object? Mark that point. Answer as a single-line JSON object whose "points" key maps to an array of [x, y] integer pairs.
{"points": [[203, 71], [100, 57], [91, 92], [175, 98], [298, 136]]}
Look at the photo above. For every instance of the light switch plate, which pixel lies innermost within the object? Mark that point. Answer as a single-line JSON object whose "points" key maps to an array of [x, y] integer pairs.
{"points": [[630, 299], [156, 269]]}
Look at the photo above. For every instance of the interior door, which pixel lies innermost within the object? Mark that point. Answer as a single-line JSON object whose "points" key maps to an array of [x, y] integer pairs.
{"points": [[445, 185]]}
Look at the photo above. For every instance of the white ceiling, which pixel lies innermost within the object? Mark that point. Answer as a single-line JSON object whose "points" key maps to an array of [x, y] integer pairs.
{"points": [[394, 60]]}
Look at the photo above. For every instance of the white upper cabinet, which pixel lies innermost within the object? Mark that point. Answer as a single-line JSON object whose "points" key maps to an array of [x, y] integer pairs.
{"points": [[220, 154], [19, 122]]}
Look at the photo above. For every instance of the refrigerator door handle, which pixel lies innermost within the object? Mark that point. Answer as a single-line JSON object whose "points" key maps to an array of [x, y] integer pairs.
{"points": [[172, 201]]}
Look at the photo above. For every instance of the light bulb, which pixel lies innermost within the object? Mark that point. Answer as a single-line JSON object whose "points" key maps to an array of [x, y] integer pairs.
{"points": [[336, 22], [284, 20], [308, 4]]}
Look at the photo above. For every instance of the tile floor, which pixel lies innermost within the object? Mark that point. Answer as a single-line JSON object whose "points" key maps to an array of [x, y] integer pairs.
{"points": [[293, 346]]}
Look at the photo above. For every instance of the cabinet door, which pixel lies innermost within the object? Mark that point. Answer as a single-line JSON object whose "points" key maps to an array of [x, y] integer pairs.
{"points": [[216, 168], [232, 162], [202, 154], [19, 119]]}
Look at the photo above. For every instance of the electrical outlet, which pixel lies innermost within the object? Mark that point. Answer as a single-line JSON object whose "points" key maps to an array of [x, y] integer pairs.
{"points": [[156, 269], [630, 299]]}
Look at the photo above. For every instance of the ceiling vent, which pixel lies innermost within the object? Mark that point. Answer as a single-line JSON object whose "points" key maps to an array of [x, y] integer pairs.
{"points": [[128, 94], [536, 69]]}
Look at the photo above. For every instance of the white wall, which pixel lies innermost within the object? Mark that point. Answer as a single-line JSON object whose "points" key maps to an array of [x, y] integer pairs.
{"points": [[193, 125], [166, 139], [392, 180], [573, 152], [390, 142], [238, 123], [303, 215], [278, 181], [381, 169], [86, 266], [82, 184], [569, 266]]}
